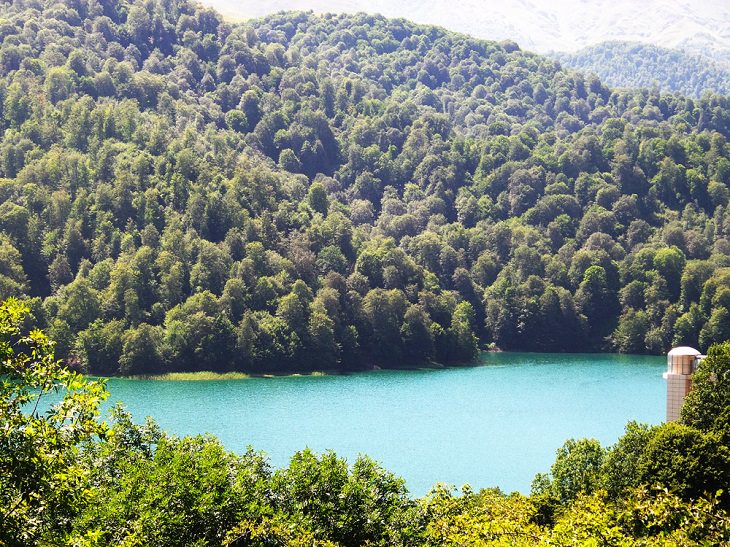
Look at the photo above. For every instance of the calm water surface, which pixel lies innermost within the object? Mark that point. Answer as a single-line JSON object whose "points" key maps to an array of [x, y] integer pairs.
{"points": [[496, 424]]}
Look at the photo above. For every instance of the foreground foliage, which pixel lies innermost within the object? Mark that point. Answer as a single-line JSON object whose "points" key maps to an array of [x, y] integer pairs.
{"points": [[68, 479], [42, 481], [314, 192]]}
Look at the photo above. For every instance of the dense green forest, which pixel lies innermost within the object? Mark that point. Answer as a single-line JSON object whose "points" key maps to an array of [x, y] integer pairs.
{"points": [[631, 64], [319, 192], [66, 478]]}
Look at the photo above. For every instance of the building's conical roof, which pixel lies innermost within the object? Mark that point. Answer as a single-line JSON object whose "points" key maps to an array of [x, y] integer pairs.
{"points": [[683, 350]]}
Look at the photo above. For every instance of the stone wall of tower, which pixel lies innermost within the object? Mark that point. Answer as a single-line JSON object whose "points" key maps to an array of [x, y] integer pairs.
{"points": [[678, 385]]}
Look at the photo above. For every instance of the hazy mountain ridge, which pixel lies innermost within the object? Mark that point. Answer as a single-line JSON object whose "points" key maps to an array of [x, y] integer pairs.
{"points": [[564, 25], [636, 65]]}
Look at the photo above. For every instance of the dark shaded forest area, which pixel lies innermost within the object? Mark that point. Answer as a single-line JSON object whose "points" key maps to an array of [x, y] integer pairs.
{"points": [[320, 192]]}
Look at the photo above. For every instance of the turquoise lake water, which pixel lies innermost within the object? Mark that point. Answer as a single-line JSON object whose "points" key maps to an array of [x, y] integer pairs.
{"points": [[495, 424]]}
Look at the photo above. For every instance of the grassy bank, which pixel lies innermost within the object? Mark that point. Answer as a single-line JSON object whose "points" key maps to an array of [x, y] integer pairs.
{"points": [[202, 375], [209, 375]]}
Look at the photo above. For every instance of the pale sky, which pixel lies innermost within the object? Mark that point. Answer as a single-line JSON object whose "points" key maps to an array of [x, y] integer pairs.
{"points": [[557, 25]]}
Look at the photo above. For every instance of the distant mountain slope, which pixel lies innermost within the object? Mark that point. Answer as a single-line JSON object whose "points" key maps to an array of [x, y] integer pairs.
{"points": [[559, 25], [627, 64]]}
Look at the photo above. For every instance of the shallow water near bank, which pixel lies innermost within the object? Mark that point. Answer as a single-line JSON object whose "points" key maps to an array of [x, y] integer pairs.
{"points": [[494, 424]]}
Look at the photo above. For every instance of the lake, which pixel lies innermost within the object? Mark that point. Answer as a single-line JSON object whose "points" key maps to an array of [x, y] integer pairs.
{"points": [[494, 424]]}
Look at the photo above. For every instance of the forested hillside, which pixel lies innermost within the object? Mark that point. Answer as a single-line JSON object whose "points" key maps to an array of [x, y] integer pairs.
{"points": [[627, 64], [306, 192]]}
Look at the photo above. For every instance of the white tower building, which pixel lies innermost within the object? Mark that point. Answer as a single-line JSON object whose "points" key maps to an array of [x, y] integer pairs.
{"points": [[681, 364]]}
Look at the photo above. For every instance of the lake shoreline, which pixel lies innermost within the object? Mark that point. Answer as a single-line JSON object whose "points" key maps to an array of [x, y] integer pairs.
{"points": [[202, 376], [206, 375]]}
